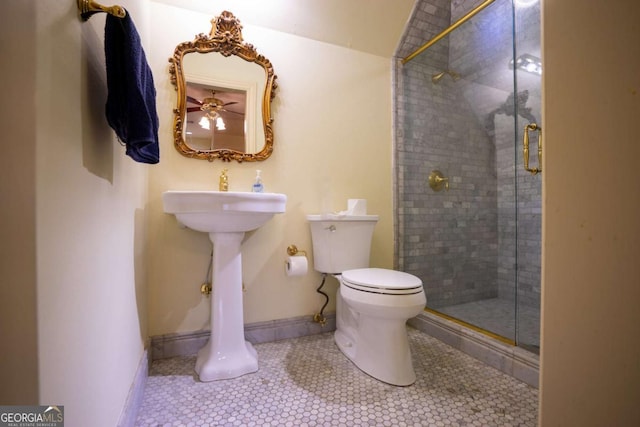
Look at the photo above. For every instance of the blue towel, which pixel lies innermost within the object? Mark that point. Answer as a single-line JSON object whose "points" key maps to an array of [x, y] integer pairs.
{"points": [[131, 101]]}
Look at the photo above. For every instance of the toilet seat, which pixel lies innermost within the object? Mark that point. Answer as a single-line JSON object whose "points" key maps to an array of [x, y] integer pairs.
{"points": [[382, 281]]}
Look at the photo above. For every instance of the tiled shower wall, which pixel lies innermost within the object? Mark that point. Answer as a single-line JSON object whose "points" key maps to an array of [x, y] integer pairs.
{"points": [[462, 242]]}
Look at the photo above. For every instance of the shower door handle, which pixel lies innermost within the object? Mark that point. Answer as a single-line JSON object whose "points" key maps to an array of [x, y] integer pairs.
{"points": [[527, 128]]}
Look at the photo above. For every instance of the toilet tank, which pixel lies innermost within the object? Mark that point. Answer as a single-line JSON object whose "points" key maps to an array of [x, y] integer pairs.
{"points": [[341, 242]]}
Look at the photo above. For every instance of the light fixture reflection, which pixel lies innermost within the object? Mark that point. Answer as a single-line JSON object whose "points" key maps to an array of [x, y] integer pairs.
{"points": [[528, 63], [220, 124], [525, 3], [204, 123]]}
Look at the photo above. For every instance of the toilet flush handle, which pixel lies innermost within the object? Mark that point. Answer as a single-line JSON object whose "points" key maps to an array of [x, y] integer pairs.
{"points": [[331, 228]]}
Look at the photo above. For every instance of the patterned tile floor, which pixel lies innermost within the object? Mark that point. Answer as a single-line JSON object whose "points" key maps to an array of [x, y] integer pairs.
{"points": [[308, 382]]}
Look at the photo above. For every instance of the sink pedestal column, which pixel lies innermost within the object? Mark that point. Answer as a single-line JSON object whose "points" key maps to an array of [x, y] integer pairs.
{"points": [[227, 354]]}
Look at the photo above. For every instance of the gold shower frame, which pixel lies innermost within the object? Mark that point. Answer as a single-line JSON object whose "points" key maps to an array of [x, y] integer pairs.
{"points": [[445, 32]]}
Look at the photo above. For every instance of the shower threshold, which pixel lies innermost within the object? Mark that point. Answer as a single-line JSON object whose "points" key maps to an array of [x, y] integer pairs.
{"points": [[497, 317], [471, 326], [493, 350]]}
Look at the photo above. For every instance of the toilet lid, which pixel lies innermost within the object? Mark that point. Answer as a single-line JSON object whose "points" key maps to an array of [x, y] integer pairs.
{"points": [[382, 281]]}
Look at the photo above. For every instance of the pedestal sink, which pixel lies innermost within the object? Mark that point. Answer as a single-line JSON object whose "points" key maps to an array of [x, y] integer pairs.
{"points": [[226, 216]]}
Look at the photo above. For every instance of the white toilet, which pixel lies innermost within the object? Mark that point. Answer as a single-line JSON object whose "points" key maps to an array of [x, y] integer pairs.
{"points": [[372, 304]]}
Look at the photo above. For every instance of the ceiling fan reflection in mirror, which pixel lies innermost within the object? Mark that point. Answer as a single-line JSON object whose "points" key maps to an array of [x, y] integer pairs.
{"points": [[211, 105], [215, 117]]}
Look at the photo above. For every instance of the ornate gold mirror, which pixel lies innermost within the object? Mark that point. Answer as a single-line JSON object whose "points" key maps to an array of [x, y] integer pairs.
{"points": [[224, 89]]}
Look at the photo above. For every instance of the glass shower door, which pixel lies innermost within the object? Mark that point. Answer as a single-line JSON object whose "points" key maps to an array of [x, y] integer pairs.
{"points": [[474, 240], [528, 74], [459, 112]]}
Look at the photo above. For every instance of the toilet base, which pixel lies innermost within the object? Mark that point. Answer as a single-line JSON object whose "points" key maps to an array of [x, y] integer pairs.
{"points": [[381, 350]]}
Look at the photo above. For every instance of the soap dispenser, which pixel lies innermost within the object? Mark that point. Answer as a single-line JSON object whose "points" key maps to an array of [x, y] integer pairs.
{"points": [[257, 184]]}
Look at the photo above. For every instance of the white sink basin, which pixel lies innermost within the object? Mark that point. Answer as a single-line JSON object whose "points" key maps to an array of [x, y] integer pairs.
{"points": [[222, 211], [226, 216]]}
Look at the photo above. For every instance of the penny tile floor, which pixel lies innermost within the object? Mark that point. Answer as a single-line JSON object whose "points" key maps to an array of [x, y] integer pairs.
{"points": [[308, 382]]}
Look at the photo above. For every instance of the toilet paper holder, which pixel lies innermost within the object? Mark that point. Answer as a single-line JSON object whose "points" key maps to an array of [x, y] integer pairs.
{"points": [[293, 250]]}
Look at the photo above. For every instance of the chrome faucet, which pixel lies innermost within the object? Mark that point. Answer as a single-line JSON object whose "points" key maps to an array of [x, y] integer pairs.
{"points": [[224, 181]]}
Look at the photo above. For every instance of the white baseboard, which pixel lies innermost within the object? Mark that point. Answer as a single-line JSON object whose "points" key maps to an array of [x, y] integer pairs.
{"points": [[136, 393], [188, 343]]}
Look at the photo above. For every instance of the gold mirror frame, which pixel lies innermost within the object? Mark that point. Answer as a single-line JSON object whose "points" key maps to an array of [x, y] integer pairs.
{"points": [[226, 39]]}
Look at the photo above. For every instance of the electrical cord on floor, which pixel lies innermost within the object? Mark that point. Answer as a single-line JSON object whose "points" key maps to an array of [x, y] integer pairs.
{"points": [[319, 317]]}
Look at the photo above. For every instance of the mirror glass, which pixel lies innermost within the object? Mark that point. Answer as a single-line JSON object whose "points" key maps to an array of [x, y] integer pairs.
{"points": [[215, 118], [224, 93]]}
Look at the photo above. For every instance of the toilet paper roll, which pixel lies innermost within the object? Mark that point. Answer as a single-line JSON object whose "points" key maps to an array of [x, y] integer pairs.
{"points": [[296, 265]]}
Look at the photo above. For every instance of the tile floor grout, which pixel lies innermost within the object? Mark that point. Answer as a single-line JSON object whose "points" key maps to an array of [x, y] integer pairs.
{"points": [[308, 382]]}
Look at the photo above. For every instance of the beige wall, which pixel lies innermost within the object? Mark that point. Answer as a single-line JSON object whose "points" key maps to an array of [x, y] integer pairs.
{"points": [[332, 142], [90, 225], [372, 26], [591, 232], [84, 210], [18, 329]]}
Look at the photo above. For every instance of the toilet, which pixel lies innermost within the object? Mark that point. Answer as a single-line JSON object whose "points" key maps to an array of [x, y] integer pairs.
{"points": [[372, 304]]}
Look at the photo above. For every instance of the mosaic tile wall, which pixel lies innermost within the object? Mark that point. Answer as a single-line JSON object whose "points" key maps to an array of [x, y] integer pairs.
{"points": [[461, 242]]}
